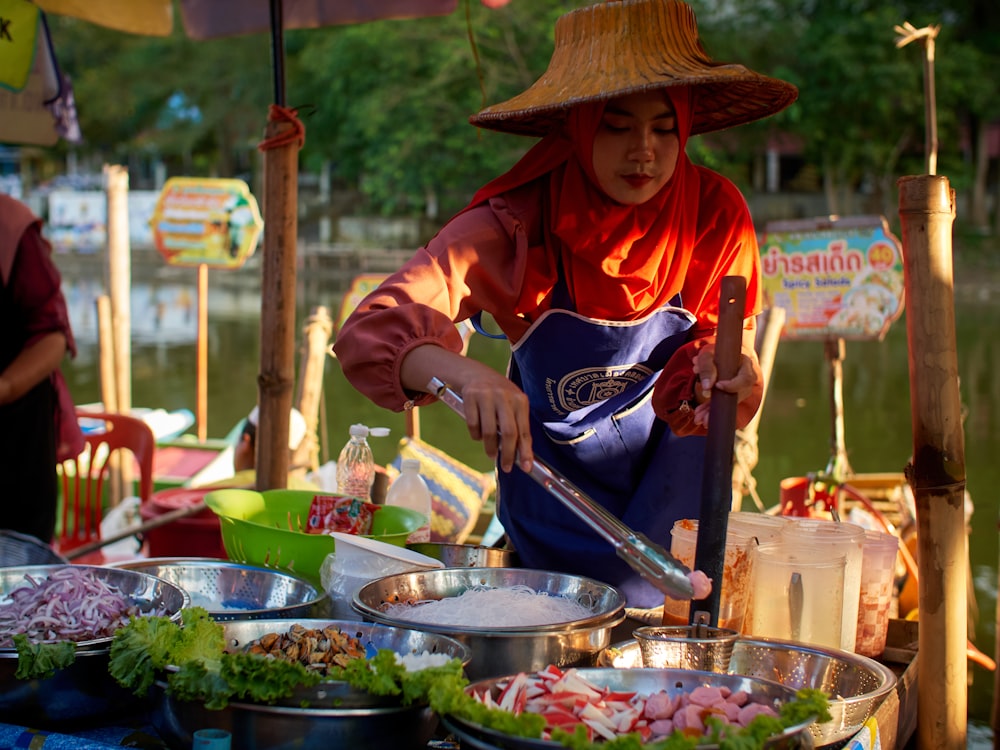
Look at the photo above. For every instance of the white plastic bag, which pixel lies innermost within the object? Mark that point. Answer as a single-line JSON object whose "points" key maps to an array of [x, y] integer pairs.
{"points": [[358, 560], [121, 517]]}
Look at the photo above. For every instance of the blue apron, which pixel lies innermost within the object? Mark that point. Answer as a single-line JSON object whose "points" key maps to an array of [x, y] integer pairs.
{"points": [[590, 383]]}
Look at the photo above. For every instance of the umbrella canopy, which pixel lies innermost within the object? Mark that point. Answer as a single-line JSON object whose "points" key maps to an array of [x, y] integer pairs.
{"points": [[210, 19], [284, 135], [36, 99]]}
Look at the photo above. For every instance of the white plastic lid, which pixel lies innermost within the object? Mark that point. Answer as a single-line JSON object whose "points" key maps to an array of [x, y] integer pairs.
{"points": [[410, 463], [378, 431], [359, 430], [365, 556]]}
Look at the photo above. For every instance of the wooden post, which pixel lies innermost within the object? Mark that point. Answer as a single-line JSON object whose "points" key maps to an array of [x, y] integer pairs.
{"points": [[839, 467], [318, 330], [745, 451], [413, 423], [717, 474], [120, 281], [120, 291], [106, 354], [201, 397], [995, 713], [277, 314], [937, 471], [907, 33]]}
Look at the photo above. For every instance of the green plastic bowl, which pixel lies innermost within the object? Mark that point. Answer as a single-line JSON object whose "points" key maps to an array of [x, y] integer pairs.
{"points": [[263, 528]]}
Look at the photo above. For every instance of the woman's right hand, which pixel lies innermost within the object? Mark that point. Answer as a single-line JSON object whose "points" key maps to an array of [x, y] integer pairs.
{"points": [[496, 410]]}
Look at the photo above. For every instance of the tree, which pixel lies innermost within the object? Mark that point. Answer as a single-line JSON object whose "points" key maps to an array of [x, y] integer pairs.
{"points": [[392, 100], [387, 103]]}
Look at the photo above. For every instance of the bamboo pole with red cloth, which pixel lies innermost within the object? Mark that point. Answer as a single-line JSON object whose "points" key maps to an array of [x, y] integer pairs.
{"points": [[284, 137]]}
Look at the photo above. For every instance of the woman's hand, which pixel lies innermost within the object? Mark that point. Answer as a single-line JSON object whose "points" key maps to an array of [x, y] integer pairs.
{"points": [[496, 410], [746, 381]]}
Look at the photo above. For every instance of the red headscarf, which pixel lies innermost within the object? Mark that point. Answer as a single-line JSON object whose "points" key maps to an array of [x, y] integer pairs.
{"points": [[619, 261]]}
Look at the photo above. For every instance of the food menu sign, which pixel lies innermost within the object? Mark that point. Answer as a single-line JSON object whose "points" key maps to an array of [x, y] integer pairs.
{"points": [[835, 278], [207, 221]]}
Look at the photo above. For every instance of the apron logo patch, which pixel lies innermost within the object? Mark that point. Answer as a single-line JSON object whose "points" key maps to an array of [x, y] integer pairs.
{"points": [[587, 386]]}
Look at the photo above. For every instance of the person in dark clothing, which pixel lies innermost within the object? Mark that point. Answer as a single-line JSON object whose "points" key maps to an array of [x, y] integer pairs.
{"points": [[38, 424]]}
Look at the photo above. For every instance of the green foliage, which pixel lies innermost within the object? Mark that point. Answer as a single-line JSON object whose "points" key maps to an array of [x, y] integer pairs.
{"points": [[146, 645], [144, 648], [387, 103], [38, 661], [217, 680], [393, 100]]}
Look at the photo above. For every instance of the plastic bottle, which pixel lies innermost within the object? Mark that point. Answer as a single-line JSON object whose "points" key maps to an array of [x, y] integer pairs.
{"points": [[356, 466], [409, 490]]}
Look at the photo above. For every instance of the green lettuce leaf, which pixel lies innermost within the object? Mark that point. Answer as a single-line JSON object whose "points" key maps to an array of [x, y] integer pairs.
{"points": [[39, 661], [146, 645]]}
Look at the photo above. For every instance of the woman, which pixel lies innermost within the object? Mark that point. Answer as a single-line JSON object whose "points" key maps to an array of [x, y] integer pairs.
{"points": [[38, 420], [600, 256]]}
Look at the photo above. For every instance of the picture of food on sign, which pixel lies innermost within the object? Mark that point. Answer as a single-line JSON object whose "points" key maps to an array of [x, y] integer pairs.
{"points": [[869, 306]]}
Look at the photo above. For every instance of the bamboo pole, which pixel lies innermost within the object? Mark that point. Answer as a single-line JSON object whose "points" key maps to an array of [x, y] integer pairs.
{"points": [[120, 291], [745, 452], [318, 330], [937, 470], [839, 467], [201, 396], [277, 315], [106, 354], [908, 33], [120, 281], [995, 713]]}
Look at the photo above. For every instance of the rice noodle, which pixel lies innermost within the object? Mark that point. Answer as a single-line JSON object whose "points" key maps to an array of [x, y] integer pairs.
{"points": [[514, 606], [71, 604]]}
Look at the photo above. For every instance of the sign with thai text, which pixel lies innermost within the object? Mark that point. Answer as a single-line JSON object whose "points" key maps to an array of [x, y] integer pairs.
{"points": [[835, 278], [199, 221]]}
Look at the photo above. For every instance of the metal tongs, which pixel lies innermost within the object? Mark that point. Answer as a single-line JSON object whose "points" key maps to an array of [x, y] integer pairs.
{"points": [[648, 559]]}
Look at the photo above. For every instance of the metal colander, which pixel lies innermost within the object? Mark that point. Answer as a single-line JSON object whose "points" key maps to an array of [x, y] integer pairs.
{"points": [[23, 549], [233, 591], [856, 684]]}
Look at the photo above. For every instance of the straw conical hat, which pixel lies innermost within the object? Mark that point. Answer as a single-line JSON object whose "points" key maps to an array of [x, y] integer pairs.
{"points": [[624, 46]]}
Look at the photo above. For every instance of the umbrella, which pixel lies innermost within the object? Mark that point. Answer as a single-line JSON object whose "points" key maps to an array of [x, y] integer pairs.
{"points": [[284, 134], [36, 99]]}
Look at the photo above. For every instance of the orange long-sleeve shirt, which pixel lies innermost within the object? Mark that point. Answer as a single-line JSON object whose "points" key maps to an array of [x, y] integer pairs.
{"points": [[494, 258]]}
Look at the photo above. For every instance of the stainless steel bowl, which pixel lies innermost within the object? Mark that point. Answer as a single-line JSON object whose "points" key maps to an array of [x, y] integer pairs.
{"points": [[234, 591], [856, 684], [647, 681], [83, 692], [331, 714], [500, 651], [466, 555], [149, 593]]}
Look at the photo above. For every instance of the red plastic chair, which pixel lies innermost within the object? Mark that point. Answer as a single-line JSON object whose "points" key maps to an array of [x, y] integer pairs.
{"points": [[84, 477]]}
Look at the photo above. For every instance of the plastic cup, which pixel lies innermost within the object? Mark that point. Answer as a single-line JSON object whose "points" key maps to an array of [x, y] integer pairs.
{"points": [[765, 527], [878, 575], [700, 647], [798, 594], [211, 739], [737, 567], [847, 539]]}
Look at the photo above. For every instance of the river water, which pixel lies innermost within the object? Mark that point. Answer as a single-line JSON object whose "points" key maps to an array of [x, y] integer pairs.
{"points": [[795, 431]]}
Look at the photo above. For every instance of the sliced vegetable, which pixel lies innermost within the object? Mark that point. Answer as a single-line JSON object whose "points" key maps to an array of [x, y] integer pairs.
{"points": [[583, 716]]}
